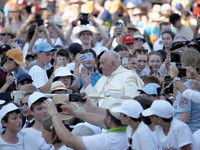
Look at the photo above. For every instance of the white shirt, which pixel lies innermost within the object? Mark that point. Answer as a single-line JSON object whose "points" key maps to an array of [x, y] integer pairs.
{"points": [[39, 76], [122, 82], [143, 138], [196, 136], [7, 146], [158, 44], [192, 95], [33, 140], [178, 136], [61, 148], [106, 141]]}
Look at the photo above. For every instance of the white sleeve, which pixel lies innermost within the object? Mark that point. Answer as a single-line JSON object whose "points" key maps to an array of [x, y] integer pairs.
{"points": [[192, 95]]}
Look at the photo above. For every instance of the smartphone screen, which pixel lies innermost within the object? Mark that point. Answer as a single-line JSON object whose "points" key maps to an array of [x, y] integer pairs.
{"points": [[76, 98], [60, 60], [84, 20], [118, 25], [88, 57], [40, 22], [59, 109], [124, 60]]}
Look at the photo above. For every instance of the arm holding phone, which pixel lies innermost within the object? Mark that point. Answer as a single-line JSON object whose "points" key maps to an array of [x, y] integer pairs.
{"points": [[9, 81]]}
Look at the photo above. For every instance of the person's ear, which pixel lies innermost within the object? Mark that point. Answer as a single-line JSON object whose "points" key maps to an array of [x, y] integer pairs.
{"points": [[4, 124], [31, 112]]}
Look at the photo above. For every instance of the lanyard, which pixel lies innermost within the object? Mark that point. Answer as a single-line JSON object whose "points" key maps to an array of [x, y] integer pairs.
{"points": [[120, 129]]}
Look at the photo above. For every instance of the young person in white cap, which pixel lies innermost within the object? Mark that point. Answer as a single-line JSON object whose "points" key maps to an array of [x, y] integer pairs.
{"points": [[64, 75], [11, 120], [58, 87], [114, 138], [171, 133], [1, 105], [38, 73], [139, 135], [33, 139]]}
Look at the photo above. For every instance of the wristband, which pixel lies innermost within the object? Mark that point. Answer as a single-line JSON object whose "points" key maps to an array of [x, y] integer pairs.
{"points": [[54, 115], [74, 23], [176, 79]]}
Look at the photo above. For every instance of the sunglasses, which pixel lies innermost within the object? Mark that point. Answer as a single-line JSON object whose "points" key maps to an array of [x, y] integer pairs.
{"points": [[130, 142], [4, 34], [83, 34], [141, 50]]}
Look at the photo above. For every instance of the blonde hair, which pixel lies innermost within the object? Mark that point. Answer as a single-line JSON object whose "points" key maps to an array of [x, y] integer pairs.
{"points": [[191, 58]]}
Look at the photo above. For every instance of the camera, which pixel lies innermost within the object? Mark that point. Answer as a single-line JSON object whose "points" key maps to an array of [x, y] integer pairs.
{"points": [[76, 98], [168, 81], [84, 20], [59, 109]]}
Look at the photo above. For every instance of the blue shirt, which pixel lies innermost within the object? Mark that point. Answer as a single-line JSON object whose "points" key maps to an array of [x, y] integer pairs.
{"points": [[94, 78], [181, 105]]}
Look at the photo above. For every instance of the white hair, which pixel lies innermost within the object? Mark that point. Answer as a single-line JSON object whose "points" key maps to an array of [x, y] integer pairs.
{"points": [[114, 56]]}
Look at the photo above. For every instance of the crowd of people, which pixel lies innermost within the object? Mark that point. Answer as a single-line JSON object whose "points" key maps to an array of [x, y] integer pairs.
{"points": [[100, 75]]}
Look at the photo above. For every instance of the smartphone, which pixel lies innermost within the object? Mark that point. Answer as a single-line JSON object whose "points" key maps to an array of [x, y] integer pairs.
{"points": [[168, 80], [182, 71], [175, 57], [59, 60], [76, 98], [151, 70], [124, 60], [118, 25], [88, 57], [59, 109], [84, 20], [40, 22]]}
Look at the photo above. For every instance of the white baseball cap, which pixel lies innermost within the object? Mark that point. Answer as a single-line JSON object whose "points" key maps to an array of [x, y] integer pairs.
{"points": [[8, 108], [129, 107], [161, 108], [35, 97], [2, 102], [58, 85]]}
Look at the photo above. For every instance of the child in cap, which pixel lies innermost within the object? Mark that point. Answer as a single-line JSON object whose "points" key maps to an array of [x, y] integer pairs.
{"points": [[139, 135], [38, 73], [11, 61], [11, 120], [33, 139], [171, 133]]}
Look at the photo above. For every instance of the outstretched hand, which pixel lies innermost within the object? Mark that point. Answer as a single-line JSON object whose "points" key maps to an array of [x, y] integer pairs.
{"points": [[85, 77]]}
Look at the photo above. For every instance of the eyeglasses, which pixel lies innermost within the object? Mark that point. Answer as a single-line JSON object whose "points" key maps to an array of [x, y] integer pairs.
{"points": [[65, 77], [84, 34], [4, 34], [141, 50], [130, 142]]}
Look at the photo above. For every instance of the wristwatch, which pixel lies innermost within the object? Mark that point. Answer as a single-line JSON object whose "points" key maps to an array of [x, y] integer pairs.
{"points": [[176, 79]]}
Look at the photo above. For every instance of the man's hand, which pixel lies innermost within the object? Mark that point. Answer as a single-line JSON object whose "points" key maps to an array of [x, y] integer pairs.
{"points": [[51, 108], [85, 77], [195, 85], [193, 73], [173, 72], [67, 109], [9, 79]]}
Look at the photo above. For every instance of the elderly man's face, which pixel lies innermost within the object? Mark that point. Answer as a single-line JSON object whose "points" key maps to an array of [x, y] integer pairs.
{"points": [[106, 65]]}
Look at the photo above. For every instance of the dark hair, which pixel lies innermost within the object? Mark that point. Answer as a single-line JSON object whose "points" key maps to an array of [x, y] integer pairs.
{"points": [[134, 119], [63, 52], [166, 119], [120, 47], [164, 24], [116, 121], [145, 103], [170, 33], [4, 59], [150, 79], [31, 32], [38, 102]]}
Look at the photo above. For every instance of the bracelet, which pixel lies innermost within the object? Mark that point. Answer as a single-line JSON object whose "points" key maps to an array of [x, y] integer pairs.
{"points": [[54, 115], [74, 23]]}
